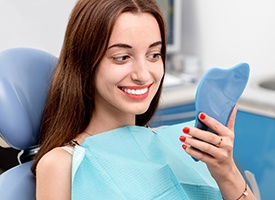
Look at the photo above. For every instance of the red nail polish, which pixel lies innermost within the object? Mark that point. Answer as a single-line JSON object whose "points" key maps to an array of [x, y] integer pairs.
{"points": [[182, 138], [186, 130], [184, 146], [202, 116]]}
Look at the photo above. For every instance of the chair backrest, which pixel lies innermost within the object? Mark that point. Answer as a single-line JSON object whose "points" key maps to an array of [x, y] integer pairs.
{"points": [[25, 76]]}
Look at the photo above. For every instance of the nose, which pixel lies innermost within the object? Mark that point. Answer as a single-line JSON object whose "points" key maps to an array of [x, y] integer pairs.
{"points": [[140, 73]]}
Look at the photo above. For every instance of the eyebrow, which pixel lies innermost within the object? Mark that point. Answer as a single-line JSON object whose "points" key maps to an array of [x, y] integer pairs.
{"points": [[126, 46], [120, 45], [155, 44]]}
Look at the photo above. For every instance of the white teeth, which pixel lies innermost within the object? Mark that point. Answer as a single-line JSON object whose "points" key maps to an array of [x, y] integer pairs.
{"points": [[135, 92]]}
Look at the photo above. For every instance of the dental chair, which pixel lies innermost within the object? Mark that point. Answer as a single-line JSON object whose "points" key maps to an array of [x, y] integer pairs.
{"points": [[25, 75]]}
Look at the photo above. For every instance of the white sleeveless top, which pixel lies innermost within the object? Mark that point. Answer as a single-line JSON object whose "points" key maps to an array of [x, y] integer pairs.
{"points": [[68, 149]]}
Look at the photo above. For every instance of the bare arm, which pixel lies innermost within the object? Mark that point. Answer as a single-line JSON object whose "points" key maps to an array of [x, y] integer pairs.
{"points": [[53, 176], [219, 156]]}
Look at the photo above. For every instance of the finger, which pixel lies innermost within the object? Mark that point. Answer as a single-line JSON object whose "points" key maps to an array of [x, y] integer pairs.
{"points": [[199, 155], [214, 125], [231, 121], [202, 150], [202, 135]]}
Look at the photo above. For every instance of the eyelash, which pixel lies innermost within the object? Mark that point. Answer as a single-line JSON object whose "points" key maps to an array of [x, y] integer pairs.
{"points": [[155, 57], [121, 59]]}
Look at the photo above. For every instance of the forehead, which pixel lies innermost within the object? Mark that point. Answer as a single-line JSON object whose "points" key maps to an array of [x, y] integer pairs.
{"points": [[135, 27]]}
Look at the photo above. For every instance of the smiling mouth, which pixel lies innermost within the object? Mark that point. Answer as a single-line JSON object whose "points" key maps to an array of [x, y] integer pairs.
{"points": [[135, 91]]}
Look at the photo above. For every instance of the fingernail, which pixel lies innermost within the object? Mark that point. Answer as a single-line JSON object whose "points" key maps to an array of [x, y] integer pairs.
{"points": [[182, 138], [202, 116], [184, 146], [186, 130]]}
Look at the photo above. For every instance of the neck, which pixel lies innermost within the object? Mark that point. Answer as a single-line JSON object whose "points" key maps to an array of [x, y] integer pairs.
{"points": [[105, 122]]}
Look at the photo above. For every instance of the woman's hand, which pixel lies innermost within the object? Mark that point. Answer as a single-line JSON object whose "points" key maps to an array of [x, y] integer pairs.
{"points": [[216, 150]]}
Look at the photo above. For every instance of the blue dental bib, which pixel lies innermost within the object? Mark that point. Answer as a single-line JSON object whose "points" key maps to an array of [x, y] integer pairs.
{"points": [[134, 162]]}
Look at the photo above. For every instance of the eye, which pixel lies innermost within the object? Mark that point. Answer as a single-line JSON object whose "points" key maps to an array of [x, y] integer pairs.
{"points": [[121, 59], [154, 56]]}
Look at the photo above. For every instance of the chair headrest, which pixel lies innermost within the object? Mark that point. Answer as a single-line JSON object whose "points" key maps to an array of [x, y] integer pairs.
{"points": [[25, 76]]}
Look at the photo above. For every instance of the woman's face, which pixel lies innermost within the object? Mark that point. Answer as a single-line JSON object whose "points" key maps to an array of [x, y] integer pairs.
{"points": [[130, 73]]}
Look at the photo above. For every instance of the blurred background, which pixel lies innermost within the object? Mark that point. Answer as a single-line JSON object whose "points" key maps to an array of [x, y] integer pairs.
{"points": [[202, 35], [219, 33]]}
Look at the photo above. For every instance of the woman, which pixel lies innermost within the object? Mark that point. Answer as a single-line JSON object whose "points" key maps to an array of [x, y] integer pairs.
{"points": [[108, 80]]}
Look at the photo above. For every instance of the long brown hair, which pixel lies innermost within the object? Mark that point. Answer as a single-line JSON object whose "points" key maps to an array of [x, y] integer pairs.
{"points": [[70, 102]]}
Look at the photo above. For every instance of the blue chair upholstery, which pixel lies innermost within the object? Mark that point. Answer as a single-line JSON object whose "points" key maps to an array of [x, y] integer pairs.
{"points": [[25, 75]]}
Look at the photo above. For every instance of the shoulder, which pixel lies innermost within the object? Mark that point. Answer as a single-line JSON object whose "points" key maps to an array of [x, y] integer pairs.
{"points": [[53, 174], [57, 158]]}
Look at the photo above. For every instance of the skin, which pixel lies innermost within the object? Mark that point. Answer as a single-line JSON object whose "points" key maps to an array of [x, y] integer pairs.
{"points": [[136, 63]]}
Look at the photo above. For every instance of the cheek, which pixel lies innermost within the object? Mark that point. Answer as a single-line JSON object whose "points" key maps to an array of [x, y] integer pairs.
{"points": [[107, 74], [107, 81]]}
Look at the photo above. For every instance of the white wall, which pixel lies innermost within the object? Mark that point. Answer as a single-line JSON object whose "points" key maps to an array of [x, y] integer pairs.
{"points": [[232, 31], [34, 23], [221, 32]]}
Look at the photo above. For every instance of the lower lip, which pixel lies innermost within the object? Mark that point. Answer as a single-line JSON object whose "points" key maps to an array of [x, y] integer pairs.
{"points": [[137, 97]]}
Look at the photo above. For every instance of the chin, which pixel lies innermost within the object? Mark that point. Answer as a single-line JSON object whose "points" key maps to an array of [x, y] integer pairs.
{"points": [[141, 111]]}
